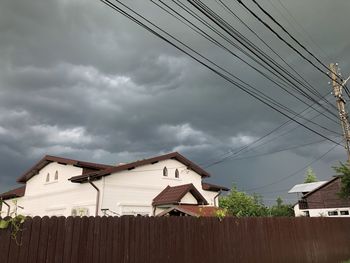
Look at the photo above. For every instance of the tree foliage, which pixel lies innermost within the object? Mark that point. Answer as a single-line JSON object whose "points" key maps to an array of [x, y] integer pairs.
{"points": [[310, 176], [14, 222], [281, 209], [241, 204], [344, 172]]}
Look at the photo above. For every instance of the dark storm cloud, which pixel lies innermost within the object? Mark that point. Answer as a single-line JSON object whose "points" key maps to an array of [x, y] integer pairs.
{"points": [[78, 80]]}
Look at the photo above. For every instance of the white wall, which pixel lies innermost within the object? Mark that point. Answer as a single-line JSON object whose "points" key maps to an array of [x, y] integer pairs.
{"points": [[144, 183], [126, 192], [320, 212], [297, 211], [58, 197], [210, 196], [188, 199], [15, 204]]}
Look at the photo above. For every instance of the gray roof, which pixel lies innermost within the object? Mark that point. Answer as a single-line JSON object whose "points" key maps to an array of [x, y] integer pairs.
{"points": [[305, 188]]}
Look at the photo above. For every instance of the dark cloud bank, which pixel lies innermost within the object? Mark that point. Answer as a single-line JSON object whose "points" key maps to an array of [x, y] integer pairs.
{"points": [[77, 80]]}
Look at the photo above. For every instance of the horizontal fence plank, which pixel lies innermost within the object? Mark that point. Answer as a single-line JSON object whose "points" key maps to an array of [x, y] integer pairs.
{"points": [[177, 239]]}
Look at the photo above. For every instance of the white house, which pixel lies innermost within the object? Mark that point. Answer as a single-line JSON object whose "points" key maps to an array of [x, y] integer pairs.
{"points": [[60, 186], [321, 199]]}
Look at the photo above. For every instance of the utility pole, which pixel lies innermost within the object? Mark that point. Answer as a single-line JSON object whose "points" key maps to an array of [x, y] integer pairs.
{"points": [[343, 114]]}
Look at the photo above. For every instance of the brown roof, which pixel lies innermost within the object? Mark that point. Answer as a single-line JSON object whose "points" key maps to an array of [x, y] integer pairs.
{"points": [[192, 210], [18, 192], [318, 188], [213, 187], [174, 155], [173, 195], [48, 159]]}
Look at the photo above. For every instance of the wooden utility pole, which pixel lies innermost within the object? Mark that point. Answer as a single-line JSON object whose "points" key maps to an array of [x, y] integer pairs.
{"points": [[343, 115]]}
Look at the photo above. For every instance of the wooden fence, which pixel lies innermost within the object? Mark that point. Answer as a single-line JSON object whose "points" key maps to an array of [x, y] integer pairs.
{"points": [[177, 239]]}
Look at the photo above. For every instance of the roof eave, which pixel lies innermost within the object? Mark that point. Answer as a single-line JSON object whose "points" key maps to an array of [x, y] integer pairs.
{"points": [[94, 176], [14, 193], [173, 155], [34, 170], [178, 209], [214, 188], [165, 203]]}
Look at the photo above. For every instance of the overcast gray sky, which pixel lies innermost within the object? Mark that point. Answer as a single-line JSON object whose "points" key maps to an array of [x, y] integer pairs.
{"points": [[79, 80]]}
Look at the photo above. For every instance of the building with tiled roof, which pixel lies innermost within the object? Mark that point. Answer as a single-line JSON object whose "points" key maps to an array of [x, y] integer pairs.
{"points": [[321, 199], [57, 186]]}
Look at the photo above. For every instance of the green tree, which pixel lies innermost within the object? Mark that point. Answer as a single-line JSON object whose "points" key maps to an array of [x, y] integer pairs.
{"points": [[310, 176], [281, 209], [344, 172], [240, 204]]}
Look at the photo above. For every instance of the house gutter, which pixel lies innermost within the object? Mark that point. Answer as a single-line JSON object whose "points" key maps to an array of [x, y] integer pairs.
{"points": [[97, 196], [8, 206], [215, 197]]}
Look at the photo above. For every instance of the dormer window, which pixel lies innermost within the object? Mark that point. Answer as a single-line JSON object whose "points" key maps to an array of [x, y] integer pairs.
{"points": [[177, 174], [165, 171], [56, 175], [48, 177]]}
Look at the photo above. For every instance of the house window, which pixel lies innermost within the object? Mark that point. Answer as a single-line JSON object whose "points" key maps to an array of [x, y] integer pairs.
{"points": [[307, 213], [48, 177], [344, 213], [332, 213], [56, 175], [165, 171], [176, 173]]}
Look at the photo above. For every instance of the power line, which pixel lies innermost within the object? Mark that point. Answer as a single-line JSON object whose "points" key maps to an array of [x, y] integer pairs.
{"points": [[220, 74], [286, 42], [197, 30], [203, 6], [215, 18], [278, 151], [248, 147], [300, 26], [205, 35], [282, 134], [226, 7], [293, 38], [290, 35], [230, 152], [252, 92], [274, 192], [294, 173]]}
